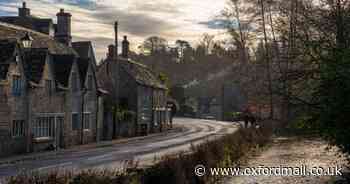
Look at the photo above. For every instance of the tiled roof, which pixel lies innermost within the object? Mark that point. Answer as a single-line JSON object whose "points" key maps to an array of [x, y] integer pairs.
{"points": [[62, 68], [82, 48], [6, 54], [86, 57], [141, 73], [83, 65], [9, 31], [34, 64], [34, 23]]}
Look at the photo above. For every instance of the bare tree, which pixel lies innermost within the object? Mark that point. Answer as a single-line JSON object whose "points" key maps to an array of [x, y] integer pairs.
{"points": [[207, 42], [154, 44]]}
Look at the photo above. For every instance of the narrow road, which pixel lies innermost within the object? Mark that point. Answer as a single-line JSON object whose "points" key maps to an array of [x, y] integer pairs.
{"points": [[112, 156]]}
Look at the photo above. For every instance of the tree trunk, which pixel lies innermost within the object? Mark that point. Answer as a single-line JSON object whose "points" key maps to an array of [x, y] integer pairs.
{"points": [[267, 59]]}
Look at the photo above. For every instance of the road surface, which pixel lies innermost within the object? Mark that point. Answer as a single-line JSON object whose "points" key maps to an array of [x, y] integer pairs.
{"points": [[142, 150]]}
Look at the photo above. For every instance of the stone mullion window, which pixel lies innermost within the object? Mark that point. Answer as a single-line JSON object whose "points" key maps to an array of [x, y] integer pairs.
{"points": [[44, 127], [75, 121], [18, 128], [16, 85]]}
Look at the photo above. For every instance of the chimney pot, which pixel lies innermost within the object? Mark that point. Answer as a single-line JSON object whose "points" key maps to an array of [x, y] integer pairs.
{"points": [[116, 39], [111, 51], [24, 11], [125, 47], [63, 33]]}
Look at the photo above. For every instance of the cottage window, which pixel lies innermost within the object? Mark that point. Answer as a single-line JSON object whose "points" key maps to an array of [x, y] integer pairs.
{"points": [[16, 85], [90, 80], [87, 120], [75, 121], [18, 128], [44, 127]]}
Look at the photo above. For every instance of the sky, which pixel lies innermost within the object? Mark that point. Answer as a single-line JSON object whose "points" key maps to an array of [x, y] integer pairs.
{"points": [[138, 19]]}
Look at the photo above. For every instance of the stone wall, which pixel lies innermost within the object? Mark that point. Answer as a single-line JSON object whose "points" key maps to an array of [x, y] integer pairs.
{"points": [[4, 112], [10, 146], [12, 108], [42, 103]]}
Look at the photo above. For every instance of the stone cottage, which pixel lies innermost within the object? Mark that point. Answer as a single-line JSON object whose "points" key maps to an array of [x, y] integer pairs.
{"points": [[49, 93], [139, 91]]}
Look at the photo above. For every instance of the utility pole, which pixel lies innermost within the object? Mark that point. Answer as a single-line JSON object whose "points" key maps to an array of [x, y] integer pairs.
{"points": [[116, 77]]}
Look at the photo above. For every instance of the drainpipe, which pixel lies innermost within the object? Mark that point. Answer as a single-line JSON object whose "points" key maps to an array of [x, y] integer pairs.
{"points": [[82, 114]]}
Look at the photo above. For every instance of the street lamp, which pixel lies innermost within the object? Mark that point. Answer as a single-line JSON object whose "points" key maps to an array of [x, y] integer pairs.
{"points": [[27, 41]]}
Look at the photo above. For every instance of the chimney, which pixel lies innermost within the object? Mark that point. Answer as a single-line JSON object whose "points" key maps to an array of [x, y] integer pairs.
{"points": [[24, 11], [64, 31], [116, 39], [125, 49], [111, 51]]}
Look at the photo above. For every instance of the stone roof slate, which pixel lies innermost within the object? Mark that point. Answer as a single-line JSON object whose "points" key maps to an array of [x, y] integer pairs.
{"points": [[139, 72], [6, 55], [8, 31], [62, 68], [82, 48], [34, 64], [31, 22]]}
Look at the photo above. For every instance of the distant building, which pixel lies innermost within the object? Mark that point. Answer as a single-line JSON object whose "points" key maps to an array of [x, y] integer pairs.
{"points": [[49, 97], [140, 91]]}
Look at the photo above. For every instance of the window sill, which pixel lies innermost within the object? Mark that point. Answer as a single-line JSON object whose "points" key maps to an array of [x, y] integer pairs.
{"points": [[42, 139], [87, 130], [18, 137]]}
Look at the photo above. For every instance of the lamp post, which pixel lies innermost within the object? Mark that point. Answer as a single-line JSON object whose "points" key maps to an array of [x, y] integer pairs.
{"points": [[26, 43]]}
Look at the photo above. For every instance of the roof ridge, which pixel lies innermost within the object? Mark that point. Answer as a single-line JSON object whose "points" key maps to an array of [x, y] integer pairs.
{"points": [[19, 29], [25, 29]]}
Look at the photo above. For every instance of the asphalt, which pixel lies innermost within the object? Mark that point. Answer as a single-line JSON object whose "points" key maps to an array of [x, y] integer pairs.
{"points": [[113, 156]]}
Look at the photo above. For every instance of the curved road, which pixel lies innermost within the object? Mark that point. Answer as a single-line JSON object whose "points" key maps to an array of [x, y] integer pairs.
{"points": [[143, 150]]}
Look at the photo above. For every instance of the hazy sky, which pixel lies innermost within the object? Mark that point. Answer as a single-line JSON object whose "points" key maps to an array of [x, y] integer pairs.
{"points": [[139, 19]]}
